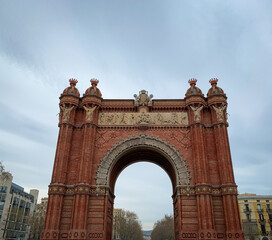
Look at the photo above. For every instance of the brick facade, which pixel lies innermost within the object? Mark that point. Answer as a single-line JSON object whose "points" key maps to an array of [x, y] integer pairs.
{"points": [[99, 137]]}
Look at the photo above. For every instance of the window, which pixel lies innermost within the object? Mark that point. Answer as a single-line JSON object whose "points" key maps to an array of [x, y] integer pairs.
{"points": [[258, 200], [268, 207], [17, 226], [24, 227], [12, 216], [11, 225], [245, 200], [15, 201], [3, 189], [259, 207], [19, 217], [25, 219], [263, 229], [270, 217], [27, 210], [11, 234], [261, 217], [3, 197], [246, 206], [28, 205], [267, 200], [22, 204], [248, 217], [2, 205]]}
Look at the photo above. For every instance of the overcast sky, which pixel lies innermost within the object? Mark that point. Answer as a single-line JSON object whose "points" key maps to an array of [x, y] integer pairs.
{"points": [[129, 46]]}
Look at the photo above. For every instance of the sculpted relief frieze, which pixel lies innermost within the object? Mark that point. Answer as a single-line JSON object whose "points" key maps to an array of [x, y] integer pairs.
{"points": [[143, 118]]}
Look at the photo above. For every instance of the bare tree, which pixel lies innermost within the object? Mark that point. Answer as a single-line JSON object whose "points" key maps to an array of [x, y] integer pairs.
{"points": [[250, 229], [36, 221], [4, 174], [163, 229], [128, 226]]}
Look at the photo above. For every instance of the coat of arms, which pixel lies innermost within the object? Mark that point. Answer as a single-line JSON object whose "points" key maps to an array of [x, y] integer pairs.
{"points": [[143, 98]]}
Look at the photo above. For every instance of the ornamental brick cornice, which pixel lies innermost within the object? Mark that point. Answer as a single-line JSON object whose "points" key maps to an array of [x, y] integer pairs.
{"points": [[205, 189], [191, 100], [91, 100], [216, 99], [229, 191], [67, 124], [69, 99], [79, 189]]}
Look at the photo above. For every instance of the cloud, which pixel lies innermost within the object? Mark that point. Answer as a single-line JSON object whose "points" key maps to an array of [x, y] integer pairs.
{"points": [[130, 46]]}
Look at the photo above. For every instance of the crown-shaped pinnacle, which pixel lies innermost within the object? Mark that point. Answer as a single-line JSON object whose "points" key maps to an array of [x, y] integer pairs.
{"points": [[192, 81], [213, 81], [94, 81], [73, 81]]}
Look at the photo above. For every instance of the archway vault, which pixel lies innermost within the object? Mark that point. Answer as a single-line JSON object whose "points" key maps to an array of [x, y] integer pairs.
{"points": [[150, 148]]}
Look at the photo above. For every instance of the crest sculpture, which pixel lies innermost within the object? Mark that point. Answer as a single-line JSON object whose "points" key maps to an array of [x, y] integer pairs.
{"points": [[143, 99], [98, 138]]}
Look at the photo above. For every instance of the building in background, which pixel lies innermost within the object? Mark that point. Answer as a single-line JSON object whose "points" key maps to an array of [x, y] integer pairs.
{"points": [[147, 235], [116, 223], [16, 207], [256, 216]]}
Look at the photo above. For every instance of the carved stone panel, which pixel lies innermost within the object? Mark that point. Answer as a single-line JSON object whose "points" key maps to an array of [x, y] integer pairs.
{"points": [[143, 118]]}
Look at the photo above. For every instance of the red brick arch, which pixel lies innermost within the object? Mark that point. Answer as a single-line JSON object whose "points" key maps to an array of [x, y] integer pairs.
{"points": [[139, 148], [99, 137]]}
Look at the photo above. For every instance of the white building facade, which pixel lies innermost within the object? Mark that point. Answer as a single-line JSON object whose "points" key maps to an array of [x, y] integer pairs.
{"points": [[16, 207]]}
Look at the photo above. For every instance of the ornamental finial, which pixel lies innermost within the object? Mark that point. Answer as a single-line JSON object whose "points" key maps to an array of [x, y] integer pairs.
{"points": [[73, 81], [192, 82], [213, 82], [94, 81]]}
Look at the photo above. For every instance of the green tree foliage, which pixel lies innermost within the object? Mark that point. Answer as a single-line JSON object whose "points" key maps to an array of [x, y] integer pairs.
{"points": [[163, 229], [129, 226]]}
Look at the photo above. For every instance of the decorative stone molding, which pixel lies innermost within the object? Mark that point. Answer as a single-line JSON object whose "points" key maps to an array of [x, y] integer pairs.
{"points": [[174, 157]]}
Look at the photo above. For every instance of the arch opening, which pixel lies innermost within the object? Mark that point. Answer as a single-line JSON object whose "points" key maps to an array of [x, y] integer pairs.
{"points": [[142, 148], [145, 189], [141, 154]]}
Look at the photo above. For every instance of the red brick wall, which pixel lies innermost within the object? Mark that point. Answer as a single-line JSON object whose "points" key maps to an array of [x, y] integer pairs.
{"points": [[205, 209]]}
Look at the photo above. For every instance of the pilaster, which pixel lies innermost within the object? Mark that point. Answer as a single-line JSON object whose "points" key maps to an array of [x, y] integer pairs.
{"points": [[218, 106], [90, 105], [69, 101], [206, 226]]}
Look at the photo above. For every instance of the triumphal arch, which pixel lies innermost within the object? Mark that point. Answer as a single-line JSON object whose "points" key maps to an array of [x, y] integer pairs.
{"points": [[99, 137]]}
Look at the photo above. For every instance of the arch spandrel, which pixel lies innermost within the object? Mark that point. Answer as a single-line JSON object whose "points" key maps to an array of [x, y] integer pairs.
{"points": [[175, 159]]}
